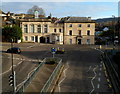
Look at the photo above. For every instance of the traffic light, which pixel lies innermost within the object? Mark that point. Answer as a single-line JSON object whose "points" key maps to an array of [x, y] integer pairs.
{"points": [[11, 80]]}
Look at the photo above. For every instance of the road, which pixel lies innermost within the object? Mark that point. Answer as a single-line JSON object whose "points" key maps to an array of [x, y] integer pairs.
{"points": [[83, 70]]}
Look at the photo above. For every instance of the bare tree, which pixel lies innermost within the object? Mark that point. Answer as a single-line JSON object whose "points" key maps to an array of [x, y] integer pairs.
{"points": [[36, 8]]}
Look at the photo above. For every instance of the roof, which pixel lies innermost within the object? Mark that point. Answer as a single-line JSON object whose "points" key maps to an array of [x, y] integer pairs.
{"points": [[36, 20], [76, 19]]}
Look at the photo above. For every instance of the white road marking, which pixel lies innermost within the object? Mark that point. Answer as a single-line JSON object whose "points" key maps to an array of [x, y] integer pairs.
{"points": [[10, 68], [93, 79], [64, 76], [26, 78], [99, 74], [98, 86], [100, 69], [89, 69], [99, 79], [7, 70], [100, 65]]}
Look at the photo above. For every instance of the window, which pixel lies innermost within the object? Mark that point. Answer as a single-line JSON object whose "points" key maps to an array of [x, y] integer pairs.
{"points": [[79, 32], [60, 30], [79, 25], [32, 28], [88, 32], [57, 38], [55, 30], [88, 25], [88, 41], [70, 25], [70, 32], [32, 38], [45, 28], [26, 38], [25, 29], [39, 28]]}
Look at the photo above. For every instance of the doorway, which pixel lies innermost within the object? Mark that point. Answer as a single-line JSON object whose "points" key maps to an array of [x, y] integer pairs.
{"points": [[42, 39], [79, 41]]}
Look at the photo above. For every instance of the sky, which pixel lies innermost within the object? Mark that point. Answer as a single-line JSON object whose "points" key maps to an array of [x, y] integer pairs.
{"points": [[63, 9]]}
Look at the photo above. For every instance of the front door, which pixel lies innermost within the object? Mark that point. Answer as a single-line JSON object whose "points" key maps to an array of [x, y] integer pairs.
{"points": [[79, 41]]}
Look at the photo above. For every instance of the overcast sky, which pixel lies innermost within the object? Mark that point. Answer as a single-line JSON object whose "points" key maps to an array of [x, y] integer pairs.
{"points": [[63, 9]]}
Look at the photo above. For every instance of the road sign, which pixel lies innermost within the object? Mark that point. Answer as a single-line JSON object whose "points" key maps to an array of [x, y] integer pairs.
{"points": [[53, 50]]}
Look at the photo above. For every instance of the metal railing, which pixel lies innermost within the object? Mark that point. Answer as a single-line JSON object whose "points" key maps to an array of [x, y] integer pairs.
{"points": [[112, 72], [52, 77], [28, 80]]}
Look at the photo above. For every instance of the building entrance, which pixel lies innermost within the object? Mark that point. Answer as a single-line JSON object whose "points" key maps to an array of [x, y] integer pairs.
{"points": [[79, 41], [42, 39]]}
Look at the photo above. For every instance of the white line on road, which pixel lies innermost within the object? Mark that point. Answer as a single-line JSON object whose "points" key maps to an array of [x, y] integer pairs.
{"points": [[89, 69], [10, 68], [100, 69], [98, 85], [93, 79], [64, 76], [99, 79], [99, 74]]}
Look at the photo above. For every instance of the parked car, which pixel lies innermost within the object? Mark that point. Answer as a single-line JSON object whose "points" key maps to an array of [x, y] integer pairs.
{"points": [[14, 50], [60, 51]]}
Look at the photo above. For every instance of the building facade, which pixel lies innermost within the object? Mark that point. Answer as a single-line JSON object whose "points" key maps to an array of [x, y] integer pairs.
{"points": [[68, 30]]}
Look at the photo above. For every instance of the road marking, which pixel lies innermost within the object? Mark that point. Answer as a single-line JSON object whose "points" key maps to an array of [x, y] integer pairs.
{"points": [[7, 70], [100, 69], [93, 79], [99, 74], [99, 79], [89, 69], [100, 65], [26, 78], [98, 86], [64, 76], [10, 68]]}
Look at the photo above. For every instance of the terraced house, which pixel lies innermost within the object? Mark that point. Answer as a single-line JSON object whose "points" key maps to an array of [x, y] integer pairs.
{"points": [[67, 30]]}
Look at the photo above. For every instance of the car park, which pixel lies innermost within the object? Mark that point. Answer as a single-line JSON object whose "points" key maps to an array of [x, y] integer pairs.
{"points": [[16, 50]]}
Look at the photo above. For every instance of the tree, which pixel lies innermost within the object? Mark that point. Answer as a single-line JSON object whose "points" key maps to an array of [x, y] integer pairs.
{"points": [[36, 8], [14, 33]]}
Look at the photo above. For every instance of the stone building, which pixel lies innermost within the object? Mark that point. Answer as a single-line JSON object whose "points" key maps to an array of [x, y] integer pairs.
{"points": [[67, 30]]}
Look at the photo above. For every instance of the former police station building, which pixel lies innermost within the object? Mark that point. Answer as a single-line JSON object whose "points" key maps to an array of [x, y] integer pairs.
{"points": [[67, 30]]}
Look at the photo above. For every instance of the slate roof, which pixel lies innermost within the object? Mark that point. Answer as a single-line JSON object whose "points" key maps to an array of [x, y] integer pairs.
{"points": [[75, 19]]}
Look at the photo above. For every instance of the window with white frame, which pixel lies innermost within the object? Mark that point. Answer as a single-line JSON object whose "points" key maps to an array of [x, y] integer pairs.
{"points": [[32, 38], [32, 28], [70, 32], [88, 25], [26, 38], [55, 30], [79, 25], [70, 25], [38, 28], [25, 28], [60, 30], [88, 32], [45, 28]]}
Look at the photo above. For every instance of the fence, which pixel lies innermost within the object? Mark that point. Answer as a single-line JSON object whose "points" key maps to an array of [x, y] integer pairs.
{"points": [[112, 72], [52, 77], [28, 80]]}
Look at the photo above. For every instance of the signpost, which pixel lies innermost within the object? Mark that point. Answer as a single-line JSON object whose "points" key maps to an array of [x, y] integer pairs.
{"points": [[53, 51]]}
